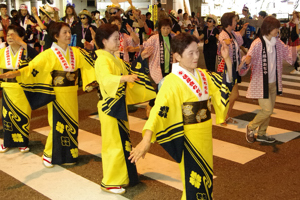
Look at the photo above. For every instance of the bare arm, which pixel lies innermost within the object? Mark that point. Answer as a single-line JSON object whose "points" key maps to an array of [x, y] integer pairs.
{"points": [[243, 30], [217, 36], [227, 59], [135, 38], [142, 148], [143, 19], [19, 40], [35, 15], [201, 37], [11, 74]]}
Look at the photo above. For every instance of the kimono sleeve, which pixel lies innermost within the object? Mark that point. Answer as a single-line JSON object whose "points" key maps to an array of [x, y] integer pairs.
{"points": [[86, 65], [128, 40], [223, 36], [254, 51], [27, 56], [36, 81], [219, 90], [150, 42], [239, 38], [105, 75], [141, 90], [289, 53], [165, 120]]}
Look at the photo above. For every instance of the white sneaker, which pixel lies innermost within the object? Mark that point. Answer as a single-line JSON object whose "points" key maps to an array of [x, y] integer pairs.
{"points": [[114, 190], [24, 149], [47, 162], [3, 149], [295, 72]]}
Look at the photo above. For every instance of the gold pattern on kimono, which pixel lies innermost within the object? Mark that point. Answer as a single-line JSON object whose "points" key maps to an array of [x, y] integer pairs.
{"points": [[209, 104], [17, 137], [70, 77], [195, 179], [201, 114], [74, 152], [4, 112], [59, 80], [187, 110], [127, 146], [138, 66], [65, 141], [7, 125], [60, 127], [201, 196]]}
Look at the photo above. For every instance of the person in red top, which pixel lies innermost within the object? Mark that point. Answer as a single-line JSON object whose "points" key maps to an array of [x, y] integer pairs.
{"points": [[5, 20], [294, 40]]}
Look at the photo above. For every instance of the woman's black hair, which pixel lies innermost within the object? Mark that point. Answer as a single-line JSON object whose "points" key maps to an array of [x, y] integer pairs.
{"points": [[181, 41], [104, 32], [18, 29], [270, 23], [164, 22], [226, 19], [55, 28]]}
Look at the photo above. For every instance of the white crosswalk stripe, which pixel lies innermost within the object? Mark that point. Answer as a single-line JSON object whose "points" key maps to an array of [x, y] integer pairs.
{"points": [[28, 168], [291, 77], [54, 183]]}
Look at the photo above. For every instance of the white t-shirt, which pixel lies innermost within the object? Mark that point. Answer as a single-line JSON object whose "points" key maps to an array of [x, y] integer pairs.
{"points": [[185, 23], [271, 58]]}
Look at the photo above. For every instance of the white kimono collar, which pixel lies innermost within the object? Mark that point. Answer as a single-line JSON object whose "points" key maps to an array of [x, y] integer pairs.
{"points": [[191, 81]]}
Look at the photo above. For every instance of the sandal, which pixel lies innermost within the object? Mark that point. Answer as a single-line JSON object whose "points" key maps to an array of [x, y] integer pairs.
{"points": [[47, 162], [224, 124], [24, 149], [3, 149], [114, 190], [229, 120]]}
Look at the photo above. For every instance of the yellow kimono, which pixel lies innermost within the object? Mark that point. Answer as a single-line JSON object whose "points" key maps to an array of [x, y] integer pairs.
{"points": [[16, 111], [52, 77], [181, 122], [112, 109]]}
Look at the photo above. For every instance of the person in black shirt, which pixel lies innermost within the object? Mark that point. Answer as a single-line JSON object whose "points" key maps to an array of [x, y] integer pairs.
{"points": [[210, 35], [46, 19], [176, 29], [150, 23], [82, 30], [27, 22]]}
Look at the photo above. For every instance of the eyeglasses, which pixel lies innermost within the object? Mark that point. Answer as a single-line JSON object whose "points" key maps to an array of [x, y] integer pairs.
{"points": [[112, 13], [210, 21], [83, 17]]}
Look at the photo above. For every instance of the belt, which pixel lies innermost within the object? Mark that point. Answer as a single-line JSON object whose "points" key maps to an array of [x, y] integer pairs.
{"points": [[62, 78], [196, 112], [11, 80]]}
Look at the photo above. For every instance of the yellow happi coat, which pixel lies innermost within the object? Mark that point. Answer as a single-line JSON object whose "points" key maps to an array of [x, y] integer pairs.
{"points": [[16, 111], [189, 144], [41, 87], [112, 109]]}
